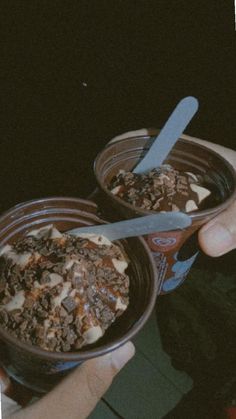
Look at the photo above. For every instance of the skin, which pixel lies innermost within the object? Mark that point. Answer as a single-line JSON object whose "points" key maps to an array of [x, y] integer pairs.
{"points": [[219, 235], [78, 394]]}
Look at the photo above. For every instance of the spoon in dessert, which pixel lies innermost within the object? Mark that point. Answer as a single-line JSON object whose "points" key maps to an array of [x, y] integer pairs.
{"points": [[155, 156], [170, 133], [137, 226]]}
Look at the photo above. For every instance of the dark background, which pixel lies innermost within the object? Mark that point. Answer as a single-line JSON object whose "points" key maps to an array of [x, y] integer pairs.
{"points": [[74, 74], [137, 59]]}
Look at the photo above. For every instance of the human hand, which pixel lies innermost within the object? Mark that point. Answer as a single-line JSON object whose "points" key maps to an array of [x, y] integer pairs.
{"points": [[77, 395], [219, 235]]}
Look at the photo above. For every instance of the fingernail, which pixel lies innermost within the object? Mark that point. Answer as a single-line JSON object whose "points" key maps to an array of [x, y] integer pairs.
{"points": [[217, 239], [122, 355]]}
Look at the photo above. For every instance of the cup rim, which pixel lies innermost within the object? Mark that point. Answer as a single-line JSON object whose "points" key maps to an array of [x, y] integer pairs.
{"points": [[198, 215], [28, 203], [108, 347]]}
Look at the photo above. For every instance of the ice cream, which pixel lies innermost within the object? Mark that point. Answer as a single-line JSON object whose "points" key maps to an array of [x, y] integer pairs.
{"points": [[61, 292], [162, 189]]}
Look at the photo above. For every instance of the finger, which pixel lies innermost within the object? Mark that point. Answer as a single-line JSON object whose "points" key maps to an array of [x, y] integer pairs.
{"points": [[5, 382], [219, 235], [77, 395]]}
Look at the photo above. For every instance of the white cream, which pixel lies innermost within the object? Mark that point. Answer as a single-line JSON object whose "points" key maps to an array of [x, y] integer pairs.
{"points": [[5, 249], [55, 279], [51, 334], [92, 334], [40, 232], [21, 259], [192, 176], [55, 234], [11, 255], [68, 265], [16, 302], [120, 305], [73, 293], [116, 190], [38, 285], [190, 206], [200, 191], [75, 264], [44, 231], [120, 265], [63, 294]]}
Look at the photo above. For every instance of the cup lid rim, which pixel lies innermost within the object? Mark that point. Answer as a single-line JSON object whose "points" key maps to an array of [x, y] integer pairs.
{"points": [[196, 216]]}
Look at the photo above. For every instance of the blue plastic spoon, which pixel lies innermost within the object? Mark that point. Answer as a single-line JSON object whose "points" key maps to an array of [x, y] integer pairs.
{"points": [[137, 226], [172, 130]]}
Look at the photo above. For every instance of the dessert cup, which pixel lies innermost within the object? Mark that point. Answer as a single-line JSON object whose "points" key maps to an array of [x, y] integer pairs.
{"points": [[175, 251], [39, 369]]}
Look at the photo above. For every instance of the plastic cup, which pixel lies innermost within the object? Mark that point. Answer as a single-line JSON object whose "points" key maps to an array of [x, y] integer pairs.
{"points": [[175, 251], [39, 369]]}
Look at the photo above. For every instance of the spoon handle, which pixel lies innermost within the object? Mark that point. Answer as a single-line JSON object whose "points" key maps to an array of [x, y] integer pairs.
{"points": [[137, 226], [170, 133]]}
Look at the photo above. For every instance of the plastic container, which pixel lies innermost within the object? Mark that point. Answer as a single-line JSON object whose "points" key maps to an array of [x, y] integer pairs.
{"points": [[36, 368], [175, 251]]}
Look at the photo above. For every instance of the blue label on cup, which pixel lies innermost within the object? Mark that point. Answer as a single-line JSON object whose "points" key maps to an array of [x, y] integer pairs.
{"points": [[164, 241], [63, 366], [180, 270]]}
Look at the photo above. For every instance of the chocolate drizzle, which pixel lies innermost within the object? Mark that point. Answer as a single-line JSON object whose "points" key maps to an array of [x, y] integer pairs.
{"points": [[65, 295], [161, 189]]}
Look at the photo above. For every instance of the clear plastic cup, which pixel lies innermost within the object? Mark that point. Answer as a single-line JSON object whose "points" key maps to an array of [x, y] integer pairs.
{"points": [[174, 251], [39, 369]]}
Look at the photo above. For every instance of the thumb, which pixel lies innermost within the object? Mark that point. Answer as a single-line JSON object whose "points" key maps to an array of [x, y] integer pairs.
{"points": [[77, 395], [219, 235]]}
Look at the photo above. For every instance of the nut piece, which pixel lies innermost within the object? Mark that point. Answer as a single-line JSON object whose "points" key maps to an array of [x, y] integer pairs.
{"points": [[69, 304]]}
